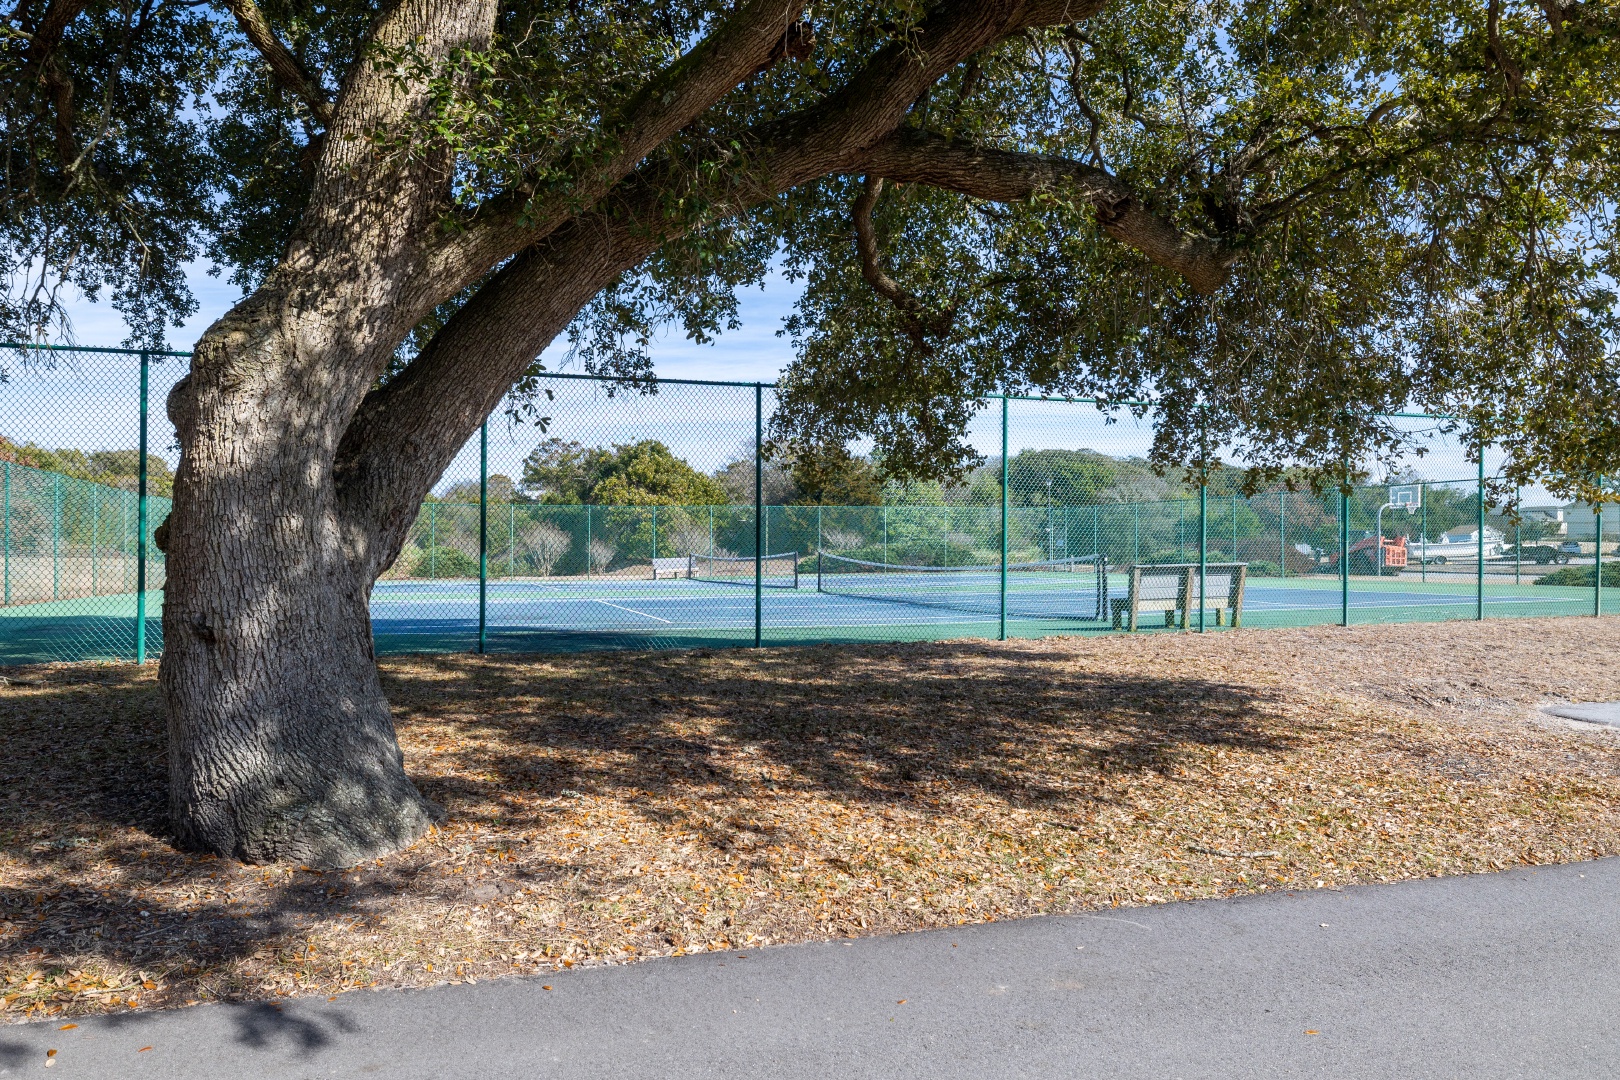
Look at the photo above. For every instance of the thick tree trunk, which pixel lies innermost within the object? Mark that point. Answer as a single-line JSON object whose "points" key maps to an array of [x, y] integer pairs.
{"points": [[282, 746]]}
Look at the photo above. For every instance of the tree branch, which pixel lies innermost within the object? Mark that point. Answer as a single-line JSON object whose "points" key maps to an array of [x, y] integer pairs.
{"points": [[422, 417], [759, 33], [1007, 176], [41, 58], [283, 64], [914, 314]]}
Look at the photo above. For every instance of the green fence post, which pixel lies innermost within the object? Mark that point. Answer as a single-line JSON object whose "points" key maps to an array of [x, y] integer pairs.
{"points": [[1136, 534], [711, 532], [1479, 552], [1096, 530], [1003, 601], [483, 535], [1234, 557], [7, 542], [140, 520], [1423, 534], [759, 512], [1597, 553], [1344, 551], [56, 536], [511, 538], [1203, 542], [818, 530], [587, 541], [95, 534], [1518, 540], [655, 535], [883, 514], [1282, 532], [433, 541]]}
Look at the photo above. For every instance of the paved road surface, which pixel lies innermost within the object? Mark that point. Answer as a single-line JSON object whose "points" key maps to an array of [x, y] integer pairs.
{"points": [[1505, 975]]}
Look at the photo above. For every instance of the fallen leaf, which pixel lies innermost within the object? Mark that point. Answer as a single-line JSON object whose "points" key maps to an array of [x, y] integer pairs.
{"points": [[67, 1027], [545, 988], [143, 1049], [50, 1053], [1308, 1031]]}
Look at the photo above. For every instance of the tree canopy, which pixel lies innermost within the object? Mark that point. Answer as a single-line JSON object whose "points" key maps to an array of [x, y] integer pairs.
{"points": [[646, 473], [1274, 219]]}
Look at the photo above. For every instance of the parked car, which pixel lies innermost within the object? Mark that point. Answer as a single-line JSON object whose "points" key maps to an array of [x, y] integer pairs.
{"points": [[1540, 554], [1568, 548]]}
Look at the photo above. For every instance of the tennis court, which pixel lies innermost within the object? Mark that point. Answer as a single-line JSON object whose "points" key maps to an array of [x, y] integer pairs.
{"points": [[570, 614]]}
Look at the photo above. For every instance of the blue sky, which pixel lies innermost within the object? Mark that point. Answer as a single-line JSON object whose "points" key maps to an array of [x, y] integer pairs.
{"points": [[705, 428], [753, 352]]}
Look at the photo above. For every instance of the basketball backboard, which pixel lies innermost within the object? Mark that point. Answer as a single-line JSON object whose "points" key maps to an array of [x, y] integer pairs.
{"points": [[1409, 496]]}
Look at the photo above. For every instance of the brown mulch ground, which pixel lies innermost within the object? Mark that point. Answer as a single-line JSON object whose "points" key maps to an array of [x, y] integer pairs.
{"points": [[607, 808]]}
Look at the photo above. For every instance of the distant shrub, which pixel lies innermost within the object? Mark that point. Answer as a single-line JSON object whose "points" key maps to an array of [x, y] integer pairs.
{"points": [[1261, 568], [1582, 575], [444, 562]]}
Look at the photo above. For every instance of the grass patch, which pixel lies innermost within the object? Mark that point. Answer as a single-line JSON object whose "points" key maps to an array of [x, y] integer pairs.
{"points": [[608, 808]]}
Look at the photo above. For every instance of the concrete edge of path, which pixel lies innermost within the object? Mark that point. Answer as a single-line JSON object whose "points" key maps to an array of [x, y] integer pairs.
{"points": [[1491, 976], [1591, 712]]}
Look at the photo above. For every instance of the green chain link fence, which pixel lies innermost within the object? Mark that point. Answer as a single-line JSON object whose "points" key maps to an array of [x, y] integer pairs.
{"points": [[659, 518]]}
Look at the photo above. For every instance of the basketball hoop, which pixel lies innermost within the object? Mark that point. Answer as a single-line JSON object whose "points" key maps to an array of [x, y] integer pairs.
{"points": [[1409, 496]]}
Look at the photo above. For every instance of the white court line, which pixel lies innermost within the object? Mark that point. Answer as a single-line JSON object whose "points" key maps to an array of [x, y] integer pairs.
{"points": [[633, 611]]}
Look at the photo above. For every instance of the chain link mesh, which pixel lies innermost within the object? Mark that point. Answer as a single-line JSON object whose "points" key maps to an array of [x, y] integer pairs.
{"points": [[620, 515]]}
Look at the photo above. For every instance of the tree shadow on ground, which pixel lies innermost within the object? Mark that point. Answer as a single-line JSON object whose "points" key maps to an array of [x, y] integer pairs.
{"points": [[90, 881], [879, 725]]}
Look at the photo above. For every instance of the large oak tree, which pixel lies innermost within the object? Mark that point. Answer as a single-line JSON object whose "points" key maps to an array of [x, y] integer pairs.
{"points": [[1275, 218]]}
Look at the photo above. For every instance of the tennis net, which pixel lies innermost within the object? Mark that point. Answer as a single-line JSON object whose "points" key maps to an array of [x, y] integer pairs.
{"points": [[780, 571], [1072, 589]]}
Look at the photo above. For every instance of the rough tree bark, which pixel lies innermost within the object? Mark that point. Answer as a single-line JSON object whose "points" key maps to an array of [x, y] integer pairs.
{"points": [[299, 479]]}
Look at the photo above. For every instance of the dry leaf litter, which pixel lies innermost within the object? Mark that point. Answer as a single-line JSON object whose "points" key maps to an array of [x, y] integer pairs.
{"points": [[614, 807]]}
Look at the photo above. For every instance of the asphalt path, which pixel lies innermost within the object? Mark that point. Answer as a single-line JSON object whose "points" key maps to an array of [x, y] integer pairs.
{"points": [[1502, 975]]}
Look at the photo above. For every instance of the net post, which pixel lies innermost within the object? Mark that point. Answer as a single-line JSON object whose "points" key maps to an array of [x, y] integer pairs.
{"points": [[759, 512], [140, 516], [1005, 472], [483, 535], [1479, 552]]}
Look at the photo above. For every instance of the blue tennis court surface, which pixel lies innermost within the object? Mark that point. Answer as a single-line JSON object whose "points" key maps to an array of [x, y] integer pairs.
{"points": [[545, 615]]}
